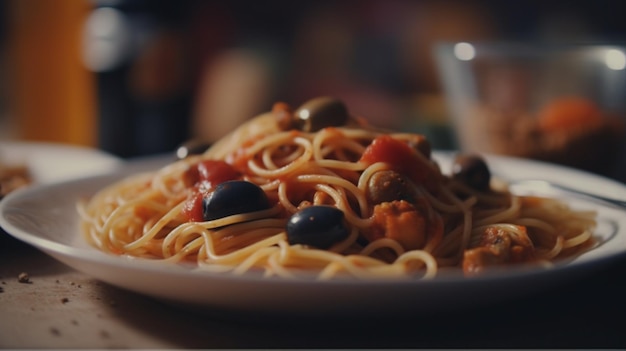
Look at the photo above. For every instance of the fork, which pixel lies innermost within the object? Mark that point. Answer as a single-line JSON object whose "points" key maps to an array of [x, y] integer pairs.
{"points": [[538, 184]]}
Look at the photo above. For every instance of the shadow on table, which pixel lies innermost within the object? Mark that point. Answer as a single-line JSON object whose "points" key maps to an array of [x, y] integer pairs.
{"points": [[580, 314], [13, 250]]}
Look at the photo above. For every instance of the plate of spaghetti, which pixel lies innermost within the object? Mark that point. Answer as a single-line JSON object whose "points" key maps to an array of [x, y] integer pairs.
{"points": [[311, 210]]}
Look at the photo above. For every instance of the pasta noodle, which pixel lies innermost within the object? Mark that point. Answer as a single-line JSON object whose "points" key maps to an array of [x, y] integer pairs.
{"points": [[400, 216]]}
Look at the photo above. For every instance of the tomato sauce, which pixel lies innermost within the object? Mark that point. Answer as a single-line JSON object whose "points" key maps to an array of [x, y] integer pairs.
{"points": [[401, 158], [214, 172], [193, 207], [239, 158]]}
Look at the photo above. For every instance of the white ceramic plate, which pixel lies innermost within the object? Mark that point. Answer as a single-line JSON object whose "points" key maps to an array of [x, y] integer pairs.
{"points": [[54, 162], [45, 217]]}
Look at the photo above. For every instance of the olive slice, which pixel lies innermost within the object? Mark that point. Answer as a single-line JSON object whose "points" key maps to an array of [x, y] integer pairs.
{"points": [[320, 113], [471, 170], [234, 197], [319, 226]]}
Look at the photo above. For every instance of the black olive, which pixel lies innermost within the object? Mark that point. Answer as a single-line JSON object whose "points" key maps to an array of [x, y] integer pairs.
{"points": [[472, 170], [319, 226], [234, 197], [191, 147], [320, 113], [387, 186]]}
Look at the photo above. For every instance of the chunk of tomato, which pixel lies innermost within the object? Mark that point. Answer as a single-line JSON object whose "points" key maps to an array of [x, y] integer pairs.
{"points": [[216, 172], [192, 209], [401, 158]]}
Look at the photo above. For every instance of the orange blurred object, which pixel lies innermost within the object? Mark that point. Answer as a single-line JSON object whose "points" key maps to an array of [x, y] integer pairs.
{"points": [[569, 112], [52, 91]]}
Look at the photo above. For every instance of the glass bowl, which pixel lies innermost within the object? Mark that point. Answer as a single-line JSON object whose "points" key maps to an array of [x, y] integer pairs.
{"points": [[564, 104]]}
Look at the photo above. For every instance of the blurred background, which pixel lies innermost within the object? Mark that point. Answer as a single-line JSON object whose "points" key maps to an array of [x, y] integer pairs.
{"points": [[138, 77]]}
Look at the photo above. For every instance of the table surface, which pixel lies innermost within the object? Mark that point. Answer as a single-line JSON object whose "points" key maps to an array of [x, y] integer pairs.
{"points": [[59, 307]]}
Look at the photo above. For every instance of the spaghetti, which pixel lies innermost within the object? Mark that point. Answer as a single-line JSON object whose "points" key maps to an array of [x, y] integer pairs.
{"points": [[317, 192]]}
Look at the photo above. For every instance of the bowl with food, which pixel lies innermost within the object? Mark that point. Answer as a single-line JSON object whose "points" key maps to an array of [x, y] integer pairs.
{"points": [[556, 103]]}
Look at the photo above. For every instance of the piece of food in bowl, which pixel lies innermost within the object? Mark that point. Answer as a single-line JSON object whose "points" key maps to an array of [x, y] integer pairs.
{"points": [[12, 178], [567, 114], [570, 130]]}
